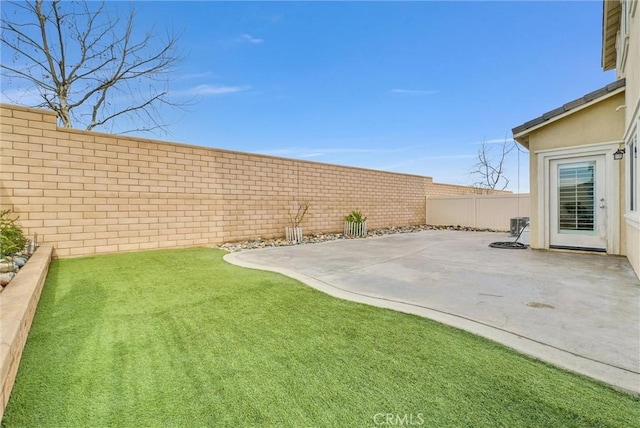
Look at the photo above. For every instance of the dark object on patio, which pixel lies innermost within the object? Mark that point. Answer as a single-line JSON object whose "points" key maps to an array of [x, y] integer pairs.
{"points": [[515, 245]]}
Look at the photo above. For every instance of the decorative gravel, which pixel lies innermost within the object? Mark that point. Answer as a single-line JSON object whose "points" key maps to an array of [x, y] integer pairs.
{"points": [[314, 238], [9, 267]]}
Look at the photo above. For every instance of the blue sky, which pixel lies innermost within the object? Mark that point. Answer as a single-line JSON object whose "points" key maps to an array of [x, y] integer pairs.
{"points": [[401, 86]]}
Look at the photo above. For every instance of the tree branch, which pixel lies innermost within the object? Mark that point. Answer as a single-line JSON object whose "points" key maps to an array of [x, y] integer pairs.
{"points": [[489, 170], [81, 59]]}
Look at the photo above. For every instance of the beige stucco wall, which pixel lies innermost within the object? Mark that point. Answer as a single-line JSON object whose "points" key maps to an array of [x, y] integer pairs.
{"points": [[633, 117], [630, 70], [633, 246], [598, 123], [88, 193]]}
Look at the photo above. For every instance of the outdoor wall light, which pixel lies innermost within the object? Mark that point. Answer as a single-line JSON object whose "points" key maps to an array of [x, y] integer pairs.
{"points": [[618, 154]]}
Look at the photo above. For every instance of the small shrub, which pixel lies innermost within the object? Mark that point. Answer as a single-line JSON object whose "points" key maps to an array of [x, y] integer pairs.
{"points": [[355, 224], [12, 238], [355, 217], [297, 217]]}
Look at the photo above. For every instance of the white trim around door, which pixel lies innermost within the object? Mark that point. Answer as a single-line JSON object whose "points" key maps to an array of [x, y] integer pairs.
{"points": [[578, 203], [605, 235]]}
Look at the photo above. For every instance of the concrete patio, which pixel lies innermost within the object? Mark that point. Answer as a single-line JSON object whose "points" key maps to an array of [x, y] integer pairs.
{"points": [[577, 311]]}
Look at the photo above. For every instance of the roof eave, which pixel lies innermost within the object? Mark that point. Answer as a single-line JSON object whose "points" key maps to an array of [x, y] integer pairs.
{"points": [[610, 25], [523, 140], [521, 132]]}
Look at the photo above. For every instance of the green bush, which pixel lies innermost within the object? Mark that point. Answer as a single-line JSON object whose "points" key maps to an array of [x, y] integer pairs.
{"points": [[355, 217], [12, 238]]}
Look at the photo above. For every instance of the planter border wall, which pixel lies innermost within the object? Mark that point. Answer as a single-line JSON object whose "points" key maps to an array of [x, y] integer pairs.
{"points": [[18, 302]]}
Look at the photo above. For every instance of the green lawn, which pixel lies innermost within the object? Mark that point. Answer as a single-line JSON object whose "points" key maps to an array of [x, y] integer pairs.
{"points": [[180, 338]]}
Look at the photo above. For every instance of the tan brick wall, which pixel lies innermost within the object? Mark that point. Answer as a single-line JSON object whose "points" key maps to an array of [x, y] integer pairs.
{"points": [[440, 189], [87, 193]]}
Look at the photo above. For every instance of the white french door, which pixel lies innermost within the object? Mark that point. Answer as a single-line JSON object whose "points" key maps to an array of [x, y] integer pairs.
{"points": [[578, 203]]}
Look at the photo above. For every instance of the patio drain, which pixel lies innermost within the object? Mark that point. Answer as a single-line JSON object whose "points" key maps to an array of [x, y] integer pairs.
{"points": [[539, 305]]}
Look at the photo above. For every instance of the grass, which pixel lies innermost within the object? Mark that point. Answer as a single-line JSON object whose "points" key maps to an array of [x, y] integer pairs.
{"points": [[180, 338]]}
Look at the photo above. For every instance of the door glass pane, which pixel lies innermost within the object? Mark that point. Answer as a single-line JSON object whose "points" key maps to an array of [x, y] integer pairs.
{"points": [[576, 197]]}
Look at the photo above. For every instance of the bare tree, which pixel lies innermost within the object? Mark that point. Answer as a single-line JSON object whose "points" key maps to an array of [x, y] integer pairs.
{"points": [[93, 69], [489, 170]]}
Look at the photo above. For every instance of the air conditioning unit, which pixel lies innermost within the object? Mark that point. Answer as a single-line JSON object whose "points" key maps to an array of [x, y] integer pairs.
{"points": [[517, 223]]}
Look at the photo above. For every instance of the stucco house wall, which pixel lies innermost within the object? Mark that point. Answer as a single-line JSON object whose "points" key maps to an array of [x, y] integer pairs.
{"points": [[628, 67], [599, 123], [632, 121], [625, 48], [606, 120]]}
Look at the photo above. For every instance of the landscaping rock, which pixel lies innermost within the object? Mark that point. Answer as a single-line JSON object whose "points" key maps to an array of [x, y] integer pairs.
{"points": [[5, 278], [8, 267], [324, 237]]}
